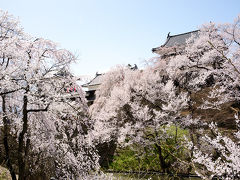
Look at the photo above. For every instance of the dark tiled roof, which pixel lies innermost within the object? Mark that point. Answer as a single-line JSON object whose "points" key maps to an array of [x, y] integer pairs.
{"points": [[176, 40], [96, 81], [100, 77]]}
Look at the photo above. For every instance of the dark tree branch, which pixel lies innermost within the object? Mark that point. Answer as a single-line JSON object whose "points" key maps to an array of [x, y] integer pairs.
{"points": [[5, 139], [38, 110], [8, 92], [21, 143], [8, 59], [225, 57], [199, 67]]}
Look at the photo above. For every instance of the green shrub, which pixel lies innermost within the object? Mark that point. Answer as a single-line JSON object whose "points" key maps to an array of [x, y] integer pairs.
{"points": [[135, 158], [145, 157]]}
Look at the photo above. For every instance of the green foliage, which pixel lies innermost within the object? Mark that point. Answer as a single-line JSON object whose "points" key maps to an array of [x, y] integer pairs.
{"points": [[135, 158], [173, 144], [145, 157]]}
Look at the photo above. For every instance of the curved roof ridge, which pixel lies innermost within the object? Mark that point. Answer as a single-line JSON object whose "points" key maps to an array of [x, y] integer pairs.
{"points": [[183, 33], [88, 84], [178, 39], [168, 38]]}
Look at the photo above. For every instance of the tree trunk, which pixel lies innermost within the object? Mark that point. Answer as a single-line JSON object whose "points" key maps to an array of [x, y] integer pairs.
{"points": [[164, 165], [191, 132], [21, 154], [5, 139]]}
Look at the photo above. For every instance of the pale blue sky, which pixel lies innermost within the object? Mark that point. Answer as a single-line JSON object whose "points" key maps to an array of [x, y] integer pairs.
{"points": [[104, 33]]}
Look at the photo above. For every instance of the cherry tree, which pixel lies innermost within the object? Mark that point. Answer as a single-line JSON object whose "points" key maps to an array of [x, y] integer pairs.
{"points": [[191, 89], [134, 105], [223, 161], [208, 70], [50, 130]]}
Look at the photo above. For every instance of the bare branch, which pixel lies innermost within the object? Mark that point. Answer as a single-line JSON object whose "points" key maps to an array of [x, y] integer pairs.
{"points": [[39, 110]]}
